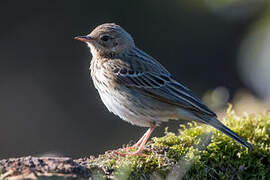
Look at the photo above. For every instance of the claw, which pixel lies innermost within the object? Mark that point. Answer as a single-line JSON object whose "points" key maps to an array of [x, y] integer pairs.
{"points": [[140, 145], [128, 148], [130, 154]]}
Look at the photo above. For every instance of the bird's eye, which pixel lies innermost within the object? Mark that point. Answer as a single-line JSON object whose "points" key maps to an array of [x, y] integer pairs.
{"points": [[105, 38]]}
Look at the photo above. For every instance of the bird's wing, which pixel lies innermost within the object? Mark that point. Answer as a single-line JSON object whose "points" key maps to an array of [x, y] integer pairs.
{"points": [[150, 78]]}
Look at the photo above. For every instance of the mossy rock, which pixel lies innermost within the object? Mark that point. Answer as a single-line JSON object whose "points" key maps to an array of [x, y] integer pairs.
{"points": [[196, 152]]}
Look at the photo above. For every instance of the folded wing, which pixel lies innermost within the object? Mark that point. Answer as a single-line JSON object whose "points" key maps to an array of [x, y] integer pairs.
{"points": [[159, 85]]}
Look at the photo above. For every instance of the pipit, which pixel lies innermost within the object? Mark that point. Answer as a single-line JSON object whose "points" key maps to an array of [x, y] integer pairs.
{"points": [[137, 88]]}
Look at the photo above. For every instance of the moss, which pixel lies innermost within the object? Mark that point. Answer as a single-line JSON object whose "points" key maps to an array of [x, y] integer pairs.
{"points": [[198, 152], [195, 152]]}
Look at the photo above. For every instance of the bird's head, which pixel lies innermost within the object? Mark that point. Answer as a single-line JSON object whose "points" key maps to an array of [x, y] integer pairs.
{"points": [[108, 39]]}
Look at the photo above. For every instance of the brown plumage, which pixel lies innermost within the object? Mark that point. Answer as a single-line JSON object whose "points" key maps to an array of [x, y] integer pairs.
{"points": [[137, 88]]}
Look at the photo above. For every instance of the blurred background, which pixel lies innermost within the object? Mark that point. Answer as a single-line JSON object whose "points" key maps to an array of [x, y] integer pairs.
{"points": [[48, 105]]}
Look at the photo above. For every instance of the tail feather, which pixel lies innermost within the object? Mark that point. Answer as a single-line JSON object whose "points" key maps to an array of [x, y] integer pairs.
{"points": [[221, 127]]}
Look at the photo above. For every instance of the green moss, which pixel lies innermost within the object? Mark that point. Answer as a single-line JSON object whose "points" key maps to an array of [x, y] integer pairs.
{"points": [[198, 152]]}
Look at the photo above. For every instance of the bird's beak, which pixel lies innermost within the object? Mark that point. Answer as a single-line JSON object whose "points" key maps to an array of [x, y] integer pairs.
{"points": [[84, 38]]}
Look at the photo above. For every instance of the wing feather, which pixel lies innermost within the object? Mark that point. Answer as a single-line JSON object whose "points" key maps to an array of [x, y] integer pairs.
{"points": [[152, 79]]}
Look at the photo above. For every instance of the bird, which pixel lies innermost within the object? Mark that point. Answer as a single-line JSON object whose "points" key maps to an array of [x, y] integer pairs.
{"points": [[136, 87]]}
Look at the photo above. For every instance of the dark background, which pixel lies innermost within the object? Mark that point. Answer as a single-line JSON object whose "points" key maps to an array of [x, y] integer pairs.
{"points": [[47, 101]]}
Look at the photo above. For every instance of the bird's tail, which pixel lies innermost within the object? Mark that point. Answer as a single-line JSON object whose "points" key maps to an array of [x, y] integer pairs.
{"points": [[213, 121]]}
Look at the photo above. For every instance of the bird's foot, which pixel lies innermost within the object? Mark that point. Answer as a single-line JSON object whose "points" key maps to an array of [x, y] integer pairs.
{"points": [[130, 147], [140, 145], [137, 153]]}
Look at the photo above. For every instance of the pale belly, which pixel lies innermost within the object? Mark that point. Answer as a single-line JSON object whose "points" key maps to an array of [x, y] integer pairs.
{"points": [[135, 108]]}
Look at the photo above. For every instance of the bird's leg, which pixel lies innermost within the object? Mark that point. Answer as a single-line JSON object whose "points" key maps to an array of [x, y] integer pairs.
{"points": [[140, 143], [137, 143]]}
